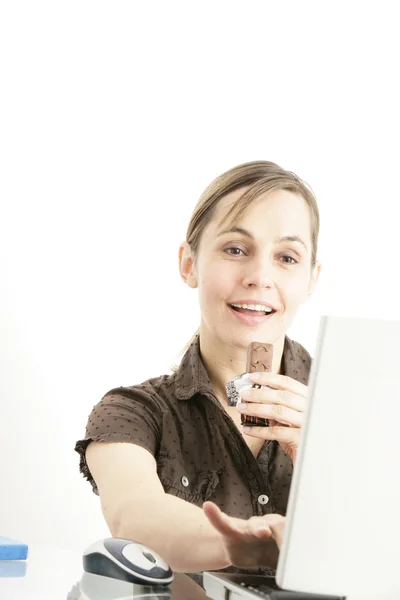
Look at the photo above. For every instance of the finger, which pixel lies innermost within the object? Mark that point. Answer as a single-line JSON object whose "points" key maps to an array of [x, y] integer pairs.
{"points": [[273, 520], [276, 412], [259, 528], [272, 396], [277, 527], [222, 523], [286, 435], [277, 524], [279, 382]]}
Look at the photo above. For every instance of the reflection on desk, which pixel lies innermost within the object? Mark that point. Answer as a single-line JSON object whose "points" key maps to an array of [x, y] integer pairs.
{"points": [[97, 587], [12, 568], [52, 573]]}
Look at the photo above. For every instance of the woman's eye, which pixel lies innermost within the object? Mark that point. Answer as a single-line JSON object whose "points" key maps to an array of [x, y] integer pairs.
{"points": [[234, 251], [292, 260]]}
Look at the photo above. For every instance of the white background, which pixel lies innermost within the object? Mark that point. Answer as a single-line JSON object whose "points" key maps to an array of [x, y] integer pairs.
{"points": [[114, 118]]}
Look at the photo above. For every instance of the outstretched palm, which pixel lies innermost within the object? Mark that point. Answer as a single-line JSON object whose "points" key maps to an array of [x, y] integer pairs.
{"points": [[248, 543]]}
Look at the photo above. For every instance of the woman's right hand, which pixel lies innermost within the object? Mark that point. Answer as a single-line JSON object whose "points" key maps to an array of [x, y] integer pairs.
{"points": [[248, 543]]}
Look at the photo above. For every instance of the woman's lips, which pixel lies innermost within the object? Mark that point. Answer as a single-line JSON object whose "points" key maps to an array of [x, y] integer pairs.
{"points": [[250, 319]]}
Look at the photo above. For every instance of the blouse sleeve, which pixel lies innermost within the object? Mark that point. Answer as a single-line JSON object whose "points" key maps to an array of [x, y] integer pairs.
{"points": [[124, 414]]}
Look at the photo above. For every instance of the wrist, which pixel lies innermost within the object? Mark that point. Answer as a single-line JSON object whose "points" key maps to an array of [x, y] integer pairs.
{"points": [[222, 552]]}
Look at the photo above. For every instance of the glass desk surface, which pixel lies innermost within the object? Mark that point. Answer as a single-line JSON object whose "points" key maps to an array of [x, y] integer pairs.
{"points": [[52, 573]]}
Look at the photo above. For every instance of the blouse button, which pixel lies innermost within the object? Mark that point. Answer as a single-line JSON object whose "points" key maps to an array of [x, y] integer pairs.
{"points": [[185, 481], [263, 499]]}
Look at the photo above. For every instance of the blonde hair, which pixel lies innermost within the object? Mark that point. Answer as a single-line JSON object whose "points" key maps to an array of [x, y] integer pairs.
{"points": [[259, 177]]}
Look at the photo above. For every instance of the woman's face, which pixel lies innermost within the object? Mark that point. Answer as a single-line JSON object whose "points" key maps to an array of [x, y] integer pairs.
{"points": [[264, 260]]}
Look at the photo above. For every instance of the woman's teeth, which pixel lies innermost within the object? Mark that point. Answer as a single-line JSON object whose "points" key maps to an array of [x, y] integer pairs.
{"points": [[253, 307]]}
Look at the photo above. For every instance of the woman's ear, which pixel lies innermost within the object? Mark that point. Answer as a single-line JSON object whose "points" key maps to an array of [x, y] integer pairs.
{"points": [[314, 278], [187, 266]]}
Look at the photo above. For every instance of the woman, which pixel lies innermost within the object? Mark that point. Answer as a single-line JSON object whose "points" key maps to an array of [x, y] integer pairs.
{"points": [[174, 468]]}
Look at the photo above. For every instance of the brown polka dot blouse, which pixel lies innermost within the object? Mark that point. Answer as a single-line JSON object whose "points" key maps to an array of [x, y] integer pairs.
{"points": [[200, 452]]}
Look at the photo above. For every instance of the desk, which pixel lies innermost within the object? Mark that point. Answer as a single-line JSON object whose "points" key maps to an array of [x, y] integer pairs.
{"points": [[52, 573]]}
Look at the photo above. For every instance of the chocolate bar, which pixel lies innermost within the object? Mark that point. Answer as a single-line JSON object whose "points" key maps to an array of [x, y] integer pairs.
{"points": [[259, 358]]}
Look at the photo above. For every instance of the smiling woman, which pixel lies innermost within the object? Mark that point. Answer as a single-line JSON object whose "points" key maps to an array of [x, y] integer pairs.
{"points": [[168, 457], [257, 222]]}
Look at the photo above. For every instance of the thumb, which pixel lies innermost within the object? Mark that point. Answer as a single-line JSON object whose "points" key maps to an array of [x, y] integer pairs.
{"points": [[218, 519]]}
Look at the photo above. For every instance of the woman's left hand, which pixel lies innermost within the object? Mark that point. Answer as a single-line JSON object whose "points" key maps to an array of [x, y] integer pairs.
{"points": [[283, 402]]}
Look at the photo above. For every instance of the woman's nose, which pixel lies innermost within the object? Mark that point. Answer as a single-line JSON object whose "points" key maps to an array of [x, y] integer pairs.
{"points": [[259, 274]]}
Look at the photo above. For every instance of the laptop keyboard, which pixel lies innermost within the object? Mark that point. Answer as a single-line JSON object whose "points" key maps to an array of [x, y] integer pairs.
{"points": [[262, 589], [271, 590]]}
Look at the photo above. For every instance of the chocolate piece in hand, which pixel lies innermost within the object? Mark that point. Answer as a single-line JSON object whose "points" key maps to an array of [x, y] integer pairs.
{"points": [[259, 359]]}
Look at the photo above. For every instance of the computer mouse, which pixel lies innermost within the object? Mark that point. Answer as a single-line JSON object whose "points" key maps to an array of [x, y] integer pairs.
{"points": [[123, 559]]}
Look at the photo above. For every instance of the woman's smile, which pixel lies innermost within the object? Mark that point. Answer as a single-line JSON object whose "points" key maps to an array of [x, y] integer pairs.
{"points": [[250, 317]]}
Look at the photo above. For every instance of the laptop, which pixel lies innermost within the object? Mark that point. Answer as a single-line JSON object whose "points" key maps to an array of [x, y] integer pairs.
{"points": [[342, 532]]}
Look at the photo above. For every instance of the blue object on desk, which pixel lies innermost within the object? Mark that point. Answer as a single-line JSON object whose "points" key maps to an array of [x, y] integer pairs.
{"points": [[12, 550]]}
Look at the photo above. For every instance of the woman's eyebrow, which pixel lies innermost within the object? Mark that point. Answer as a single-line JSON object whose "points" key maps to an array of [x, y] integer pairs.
{"points": [[286, 238]]}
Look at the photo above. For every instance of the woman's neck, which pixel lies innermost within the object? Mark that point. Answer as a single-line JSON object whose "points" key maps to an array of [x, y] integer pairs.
{"points": [[224, 361]]}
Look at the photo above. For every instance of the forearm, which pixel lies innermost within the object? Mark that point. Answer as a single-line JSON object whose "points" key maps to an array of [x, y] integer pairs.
{"points": [[177, 530]]}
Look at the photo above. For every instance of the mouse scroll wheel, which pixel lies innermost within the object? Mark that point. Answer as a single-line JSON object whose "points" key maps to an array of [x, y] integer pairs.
{"points": [[150, 557]]}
